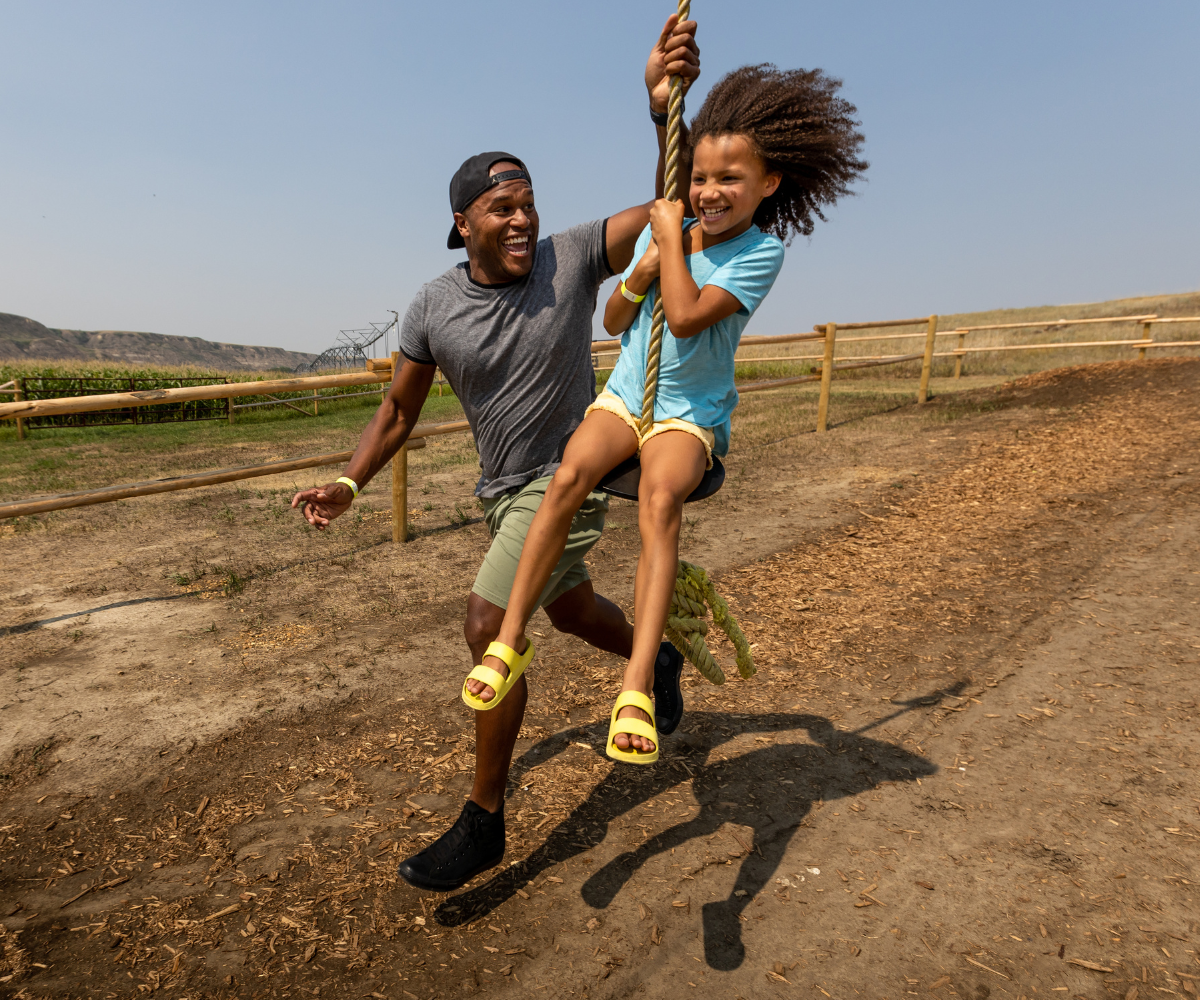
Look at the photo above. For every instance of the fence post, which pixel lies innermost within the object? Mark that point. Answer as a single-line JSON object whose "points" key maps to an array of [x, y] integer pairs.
{"points": [[399, 481], [826, 378], [18, 395], [229, 406], [1146, 335], [927, 363], [962, 339], [316, 396], [400, 495]]}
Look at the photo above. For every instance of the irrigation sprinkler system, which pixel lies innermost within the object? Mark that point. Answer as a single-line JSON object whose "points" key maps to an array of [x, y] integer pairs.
{"points": [[349, 350]]}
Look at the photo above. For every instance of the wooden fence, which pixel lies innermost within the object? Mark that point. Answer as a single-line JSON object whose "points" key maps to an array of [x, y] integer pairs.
{"points": [[379, 371], [828, 333]]}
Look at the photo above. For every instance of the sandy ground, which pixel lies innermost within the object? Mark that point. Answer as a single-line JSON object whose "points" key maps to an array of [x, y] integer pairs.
{"points": [[966, 764]]}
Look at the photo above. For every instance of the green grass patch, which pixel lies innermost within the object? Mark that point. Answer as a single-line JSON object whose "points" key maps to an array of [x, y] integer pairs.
{"points": [[61, 459]]}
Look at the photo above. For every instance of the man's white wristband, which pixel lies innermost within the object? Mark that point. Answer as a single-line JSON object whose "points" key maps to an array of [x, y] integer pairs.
{"points": [[351, 483]]}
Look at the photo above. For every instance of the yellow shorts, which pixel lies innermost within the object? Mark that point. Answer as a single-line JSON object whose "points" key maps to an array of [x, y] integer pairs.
{"points": [[612, 403]]}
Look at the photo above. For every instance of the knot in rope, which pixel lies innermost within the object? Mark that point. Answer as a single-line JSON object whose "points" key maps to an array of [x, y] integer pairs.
{"points": [[687, 625]]}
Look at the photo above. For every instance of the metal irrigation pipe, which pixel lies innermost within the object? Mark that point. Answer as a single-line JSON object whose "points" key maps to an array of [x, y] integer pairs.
{"points": [[327, 399]]}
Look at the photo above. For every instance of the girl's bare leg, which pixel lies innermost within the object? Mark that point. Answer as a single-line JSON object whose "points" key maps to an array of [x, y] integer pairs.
{"points": [[672, 466], [601, 442]]}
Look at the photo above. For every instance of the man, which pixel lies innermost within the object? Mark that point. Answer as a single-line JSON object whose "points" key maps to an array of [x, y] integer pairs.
{"points": [[511, 331]]}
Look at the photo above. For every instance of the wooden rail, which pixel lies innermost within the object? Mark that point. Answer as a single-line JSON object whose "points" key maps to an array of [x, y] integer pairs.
{"points": [[1044, 347], [1053, 323], [872, 326], [775, 383], [107, 494], [608, 346], [1048, 324], [150, 397]]}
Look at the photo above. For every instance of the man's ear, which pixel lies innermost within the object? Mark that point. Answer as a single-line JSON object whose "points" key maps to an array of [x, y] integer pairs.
{"points": [[464, 227]]}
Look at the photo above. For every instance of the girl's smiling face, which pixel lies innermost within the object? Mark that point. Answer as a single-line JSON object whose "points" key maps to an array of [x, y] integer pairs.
{"points": [[729, 181]]}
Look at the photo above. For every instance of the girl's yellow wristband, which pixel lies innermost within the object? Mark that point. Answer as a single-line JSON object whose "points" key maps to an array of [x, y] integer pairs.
{"points": [[351, 483], [632, 297]]}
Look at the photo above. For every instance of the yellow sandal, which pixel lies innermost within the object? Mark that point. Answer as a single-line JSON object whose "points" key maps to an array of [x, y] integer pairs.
{"points": [[632, 727], [516, 663]]}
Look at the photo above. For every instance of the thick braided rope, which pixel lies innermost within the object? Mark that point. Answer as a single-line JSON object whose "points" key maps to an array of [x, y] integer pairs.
{"points": [[658, 318], [687, 627], [687, 623]]}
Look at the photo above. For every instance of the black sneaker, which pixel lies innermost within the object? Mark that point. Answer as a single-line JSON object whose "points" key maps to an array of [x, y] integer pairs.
{"points": [[668, 695], [472, 845]]}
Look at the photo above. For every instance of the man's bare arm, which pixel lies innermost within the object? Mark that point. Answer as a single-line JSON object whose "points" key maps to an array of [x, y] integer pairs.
{"points": [[393, 421], [674, 54], [381, 439]]}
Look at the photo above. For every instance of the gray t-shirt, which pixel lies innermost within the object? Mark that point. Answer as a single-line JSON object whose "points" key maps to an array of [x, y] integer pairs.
{"points": [[518, 356]]}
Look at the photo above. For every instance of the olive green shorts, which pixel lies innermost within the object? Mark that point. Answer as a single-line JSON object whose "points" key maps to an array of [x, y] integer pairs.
{"points": [[508, 519]]}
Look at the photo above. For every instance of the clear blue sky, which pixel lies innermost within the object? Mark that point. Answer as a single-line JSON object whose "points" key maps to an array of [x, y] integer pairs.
{"points": [[267, 173]]}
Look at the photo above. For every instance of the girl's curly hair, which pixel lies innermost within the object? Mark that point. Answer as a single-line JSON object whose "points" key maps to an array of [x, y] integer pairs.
{"points": [[800, 127]]}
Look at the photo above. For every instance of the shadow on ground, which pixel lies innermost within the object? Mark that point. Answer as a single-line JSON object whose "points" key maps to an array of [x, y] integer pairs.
{"points": [[780, 783]]}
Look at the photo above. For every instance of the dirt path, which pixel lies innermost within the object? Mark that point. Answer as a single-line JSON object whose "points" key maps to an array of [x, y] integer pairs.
{"points": [[966, 764]]}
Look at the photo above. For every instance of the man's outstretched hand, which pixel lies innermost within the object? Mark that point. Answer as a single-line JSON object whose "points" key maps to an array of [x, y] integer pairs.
{"points": [[674, 54], [322, 504]]}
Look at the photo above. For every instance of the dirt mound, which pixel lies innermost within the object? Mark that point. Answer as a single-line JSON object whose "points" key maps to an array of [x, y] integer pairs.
{"points": [[22, 338], [1078, 384]]}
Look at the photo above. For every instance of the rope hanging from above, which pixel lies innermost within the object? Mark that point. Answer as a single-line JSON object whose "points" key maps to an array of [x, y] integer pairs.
{"points": [[658, 320], [687, 621]]}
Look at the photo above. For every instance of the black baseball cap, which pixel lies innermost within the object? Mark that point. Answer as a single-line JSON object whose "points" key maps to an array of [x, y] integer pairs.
{"points": [[471, 180]]}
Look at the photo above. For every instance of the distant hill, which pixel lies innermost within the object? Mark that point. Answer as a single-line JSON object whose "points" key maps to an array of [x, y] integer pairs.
{"points": [[22, 338], [1174, 304]]}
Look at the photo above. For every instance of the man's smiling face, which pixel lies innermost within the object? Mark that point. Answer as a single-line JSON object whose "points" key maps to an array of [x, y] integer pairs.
{"points": [[500, 228]]}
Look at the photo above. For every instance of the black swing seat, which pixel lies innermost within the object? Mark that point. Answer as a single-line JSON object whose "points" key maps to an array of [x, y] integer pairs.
{"points": [[623, 481]]}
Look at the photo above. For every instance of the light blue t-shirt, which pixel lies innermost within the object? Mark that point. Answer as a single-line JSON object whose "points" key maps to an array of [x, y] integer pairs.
{"points": [[695, 376]]}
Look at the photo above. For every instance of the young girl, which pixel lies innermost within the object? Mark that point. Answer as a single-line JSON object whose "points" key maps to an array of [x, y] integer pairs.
{"points": [[769, 149]]}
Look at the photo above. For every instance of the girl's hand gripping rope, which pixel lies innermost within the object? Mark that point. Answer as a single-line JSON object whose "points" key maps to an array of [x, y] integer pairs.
{"points": [[666, 226]]}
